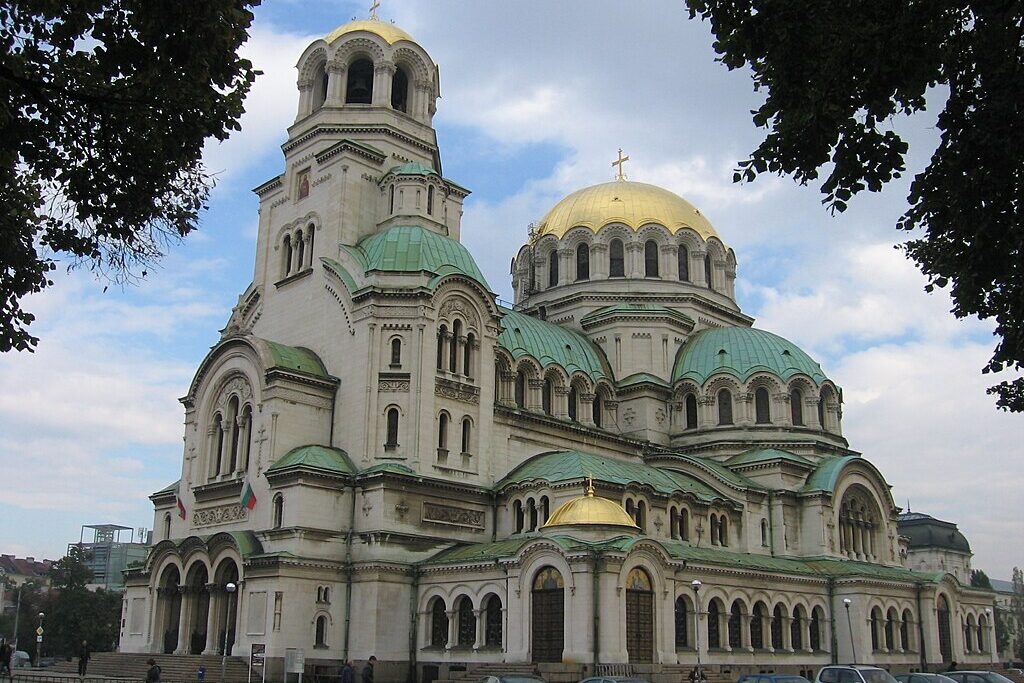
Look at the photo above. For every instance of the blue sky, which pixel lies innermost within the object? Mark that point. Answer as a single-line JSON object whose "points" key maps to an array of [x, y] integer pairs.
{"points": [[536, 99]]}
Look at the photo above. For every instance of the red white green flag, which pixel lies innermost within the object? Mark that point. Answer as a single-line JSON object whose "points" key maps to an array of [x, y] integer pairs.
{"points": [[181, 508], [248, 497]]}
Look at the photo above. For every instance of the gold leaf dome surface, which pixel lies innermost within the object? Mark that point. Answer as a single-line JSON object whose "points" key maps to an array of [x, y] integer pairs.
{"points": [[591, 510], [389, 32], [626, 202]]}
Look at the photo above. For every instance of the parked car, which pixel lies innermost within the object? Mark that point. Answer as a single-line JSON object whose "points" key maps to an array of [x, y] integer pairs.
{"points": [[21, 660], [613, 679], [924, 678], [853, 673], [512, 678], [977, 677], [772, 678]]}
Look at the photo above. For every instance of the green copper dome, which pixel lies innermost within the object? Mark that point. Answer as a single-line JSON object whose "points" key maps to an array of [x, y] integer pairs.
{"points": [[742, 352], [414, 249], [524, 335]]}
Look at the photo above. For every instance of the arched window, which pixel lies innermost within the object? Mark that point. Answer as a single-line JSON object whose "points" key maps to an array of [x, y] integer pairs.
{"points": [[300, 246], [875, 619], [982, 629], [467, 622], [708, 272], [359, 89], [650, 258], [246, 438], [327, 594], [396, 352], [216, 463], [616, 259], [167, 526], [287, 255], [442, 333], [796, 629], [735, 624], [321, 631], [553, 268], [684, 524], [724, 407], [467, 355], [583, 261], [573, 399], [467, 427], [890, 630], [233, 428], [821, 413], [723, 531], [776, 627], [391, 201], [815, 629], [691, 411], [392, 435], [546, 394], [596, 408], [764, 533], [684, 263], [517, 510], [682, 619], [492, 621], [905, 630], [714, 529], [442, 433], [531, 511], [438, 624], [544, 510], [641, 516], [757, 627], [277, 511], [673, 523], [796, 407], [324, 85], [520, 389], [430, 200], [453, 347], [309, 238], [400, 92], [714, 622], [762, 408]]}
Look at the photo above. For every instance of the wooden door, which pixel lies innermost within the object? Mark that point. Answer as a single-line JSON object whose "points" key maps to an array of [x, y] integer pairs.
{"points": [[548, 620], [639, 617]]}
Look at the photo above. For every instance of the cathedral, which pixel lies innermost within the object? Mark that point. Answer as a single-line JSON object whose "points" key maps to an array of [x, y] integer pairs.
{"points": [[618, 473]]}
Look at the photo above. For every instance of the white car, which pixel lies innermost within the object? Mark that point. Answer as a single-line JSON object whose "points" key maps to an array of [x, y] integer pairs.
{"points": [[854, 673]]}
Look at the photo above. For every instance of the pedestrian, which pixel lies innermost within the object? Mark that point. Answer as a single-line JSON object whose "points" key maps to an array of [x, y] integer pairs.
{"points": [[201, 674], [153, 675], [6, 653], [698, 675], [368, 669], [348, 672], [83, 658]]}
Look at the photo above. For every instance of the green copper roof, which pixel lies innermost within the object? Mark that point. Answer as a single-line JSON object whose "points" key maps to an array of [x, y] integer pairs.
{"points": [[323, 458], [393, 467], [414, 249], [341, 272], [573, 465], [411, 168], [524, 335], [759, 455], [641, 378], [634, 310], [716, 468], [826, 474], [742, 352], [296, 358]]}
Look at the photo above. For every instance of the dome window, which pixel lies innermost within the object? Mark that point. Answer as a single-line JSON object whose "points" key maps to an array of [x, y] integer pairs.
{"points": [[360, 82], [691, 411], [651, 259], [553, 268], [724, 407], [582, 262], [616, 259], [796, 405], [762, 406], [400, 91], [707, 272], [684, 264]]}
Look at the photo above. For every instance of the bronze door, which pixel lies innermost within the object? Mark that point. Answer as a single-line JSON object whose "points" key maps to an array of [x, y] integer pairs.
{"points": [[548, 625], [640, 626]]}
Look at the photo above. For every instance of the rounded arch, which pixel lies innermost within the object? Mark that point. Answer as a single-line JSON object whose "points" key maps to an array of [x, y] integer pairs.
{"points": [[415, 63], [364, 46]]}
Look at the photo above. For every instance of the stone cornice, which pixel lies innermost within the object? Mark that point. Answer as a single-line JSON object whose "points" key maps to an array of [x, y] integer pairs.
{"points": [[217, 490], [357, 130], [272, 184]]}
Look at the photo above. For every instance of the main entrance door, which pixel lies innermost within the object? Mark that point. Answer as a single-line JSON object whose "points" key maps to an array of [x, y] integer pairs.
{"points": [[548, 624], [639, 616], [945, 637]]}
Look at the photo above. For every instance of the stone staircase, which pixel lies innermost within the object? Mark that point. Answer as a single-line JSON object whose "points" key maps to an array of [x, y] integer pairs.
{"points": [[172, 667]]}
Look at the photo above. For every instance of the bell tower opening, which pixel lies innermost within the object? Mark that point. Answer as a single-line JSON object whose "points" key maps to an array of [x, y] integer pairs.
{"points": [[360, 82], [400, 91], [320, 87]]}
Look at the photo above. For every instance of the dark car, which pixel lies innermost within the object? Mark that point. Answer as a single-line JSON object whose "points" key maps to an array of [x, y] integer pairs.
{"points": [[977, 677], [512, 678], [772, 678], [613, 679], [924, 678]]}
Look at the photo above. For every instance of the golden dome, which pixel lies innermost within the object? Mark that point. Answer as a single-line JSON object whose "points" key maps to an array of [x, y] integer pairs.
{"points": [[389, 32], [590, 510], [622, 201]]}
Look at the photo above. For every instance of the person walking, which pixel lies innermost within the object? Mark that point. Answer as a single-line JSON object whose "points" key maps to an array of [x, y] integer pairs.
{"points": [[698, 675], [6, 653], [153, 675], [368, 669], [348, 672], [84, 655]]}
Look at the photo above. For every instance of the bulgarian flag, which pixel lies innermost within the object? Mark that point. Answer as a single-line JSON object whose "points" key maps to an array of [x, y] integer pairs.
{"points": [[181, 508], [248, 497]]}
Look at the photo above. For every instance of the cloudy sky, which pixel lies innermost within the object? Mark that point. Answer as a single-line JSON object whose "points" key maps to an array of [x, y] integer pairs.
{"points": [[536, 99]]}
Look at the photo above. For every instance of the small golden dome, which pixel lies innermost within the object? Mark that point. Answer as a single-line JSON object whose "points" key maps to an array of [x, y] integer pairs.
{"points": [[389, 32], [591, 510], [623, 201]]}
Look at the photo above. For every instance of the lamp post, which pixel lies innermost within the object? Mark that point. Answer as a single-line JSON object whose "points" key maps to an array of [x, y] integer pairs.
{"points": [[230, 588], [39, 639], [849, 624], [696, 622]]}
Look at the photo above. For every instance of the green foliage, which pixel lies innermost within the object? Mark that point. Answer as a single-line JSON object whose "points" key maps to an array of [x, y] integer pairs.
{"points": [[979, 579], [836, 72], [104, 110], [1017, 612], [1003, 629]]}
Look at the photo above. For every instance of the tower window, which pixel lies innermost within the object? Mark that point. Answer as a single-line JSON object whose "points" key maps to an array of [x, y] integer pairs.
{"points": [[616, 259], [597, 405], [762, 407], [583, 262], [796, 405], [400, 92], [552, 268], [546, 393], [360, 82], [724, 407], [392, 200], [684, 263], [691, 411], [453, 349], [396, 352], [467, 356], [573, 398], [520, 389], [442, 435], [392, 433], [430, 200], [707, 272], [277, 512], [467, 427], [650, 258], [287, 255], [442, 334]]}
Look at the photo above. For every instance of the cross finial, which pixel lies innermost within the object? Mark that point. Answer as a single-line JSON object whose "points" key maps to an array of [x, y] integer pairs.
{"points": [[590, 486], [373, 10], [622, 160]]}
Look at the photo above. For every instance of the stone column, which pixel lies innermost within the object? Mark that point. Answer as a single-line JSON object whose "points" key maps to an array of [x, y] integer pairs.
{"points": [[585, 412], [704, 412], [805, 633], [745, 632], [560, 403], [383, 73], [305, 86], [670, 262], [336, 76], [452, 631], [212, 618], [598, 261], [478, 614], [184, 615], [787, 634], [783, 411], [634, 259], [697, 268], [564, 258], [534, 400], [730, 281], [506, 393]]}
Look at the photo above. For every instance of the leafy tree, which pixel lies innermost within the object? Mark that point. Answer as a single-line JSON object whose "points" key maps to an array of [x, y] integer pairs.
{"points": [[979, 579], [1017, 612], [836, 72], [104, 109]]}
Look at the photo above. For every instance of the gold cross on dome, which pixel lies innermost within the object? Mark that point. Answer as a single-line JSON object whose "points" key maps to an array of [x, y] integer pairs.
{"points": [[620, 163], [373, 9]]}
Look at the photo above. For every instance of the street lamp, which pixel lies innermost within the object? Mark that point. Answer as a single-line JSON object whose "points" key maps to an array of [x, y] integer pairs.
{"points": [[696, 623], [849, 624], [39, 639], [230, 588]]}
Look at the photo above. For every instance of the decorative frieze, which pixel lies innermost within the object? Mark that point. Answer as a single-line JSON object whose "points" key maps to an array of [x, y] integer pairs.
{"points": [[453, 516], [222, 514], [457, 391]]}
